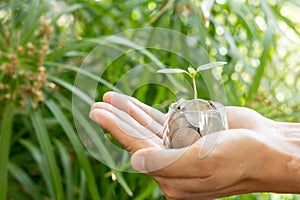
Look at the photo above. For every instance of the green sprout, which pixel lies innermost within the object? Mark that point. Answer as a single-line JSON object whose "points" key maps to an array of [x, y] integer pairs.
{"points": [[192, 72]]}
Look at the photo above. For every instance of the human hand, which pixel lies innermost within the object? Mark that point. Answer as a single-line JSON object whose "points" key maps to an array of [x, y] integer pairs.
{"points": [[220, 164]]}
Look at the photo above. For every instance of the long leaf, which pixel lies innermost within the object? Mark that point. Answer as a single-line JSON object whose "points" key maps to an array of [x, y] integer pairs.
{"points": [[72, 89], [47, 149], [70, 9], [25, 180], [83, 72], [39, 159], [67, 166], [265, 57], [35, 10], [73, 137], [82, 185], [71, 46], [210, 66], [100, 146], [171, 71], [5, 137], [151, 185]]}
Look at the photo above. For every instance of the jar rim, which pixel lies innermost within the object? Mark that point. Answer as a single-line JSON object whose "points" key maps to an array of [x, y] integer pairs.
{"points": [[219, 108]]}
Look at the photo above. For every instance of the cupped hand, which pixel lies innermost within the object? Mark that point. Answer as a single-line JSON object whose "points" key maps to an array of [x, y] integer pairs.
{"points": [[220, 164]]}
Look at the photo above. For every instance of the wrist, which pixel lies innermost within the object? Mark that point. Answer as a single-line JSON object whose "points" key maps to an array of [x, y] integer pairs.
{"points": [[281, 165], [288, 129]]}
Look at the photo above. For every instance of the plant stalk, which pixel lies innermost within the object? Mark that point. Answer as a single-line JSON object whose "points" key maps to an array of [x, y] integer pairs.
{"points": [[5, 136], [195, 87]]}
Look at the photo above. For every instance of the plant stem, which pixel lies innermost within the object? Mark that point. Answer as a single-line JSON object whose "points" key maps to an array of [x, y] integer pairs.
{"points": [[5, 136], [195, 88]]}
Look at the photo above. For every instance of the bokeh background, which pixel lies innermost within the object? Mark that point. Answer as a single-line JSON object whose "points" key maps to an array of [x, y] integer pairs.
{"points": [[43, 43]]}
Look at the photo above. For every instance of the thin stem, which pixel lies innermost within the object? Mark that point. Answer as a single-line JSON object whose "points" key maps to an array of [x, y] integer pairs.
{"points": [[195, 88]]}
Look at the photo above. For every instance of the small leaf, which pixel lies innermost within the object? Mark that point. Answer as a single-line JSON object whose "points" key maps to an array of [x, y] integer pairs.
{"points": [[210, 65], [171, 71]]}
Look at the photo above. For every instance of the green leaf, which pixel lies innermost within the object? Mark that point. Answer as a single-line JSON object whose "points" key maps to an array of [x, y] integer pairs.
{"points": [[73, 137], [96, 139], [69, 9], [5, 137], [264, 59], [39, 158], [47, 149], [210, 65], [67, 166], [85, 73], [82, 185], [146, 194], [171, 71], [71, 46], [72, 89], [93, 134], [35, 9], [25, 180], [102, 149]]}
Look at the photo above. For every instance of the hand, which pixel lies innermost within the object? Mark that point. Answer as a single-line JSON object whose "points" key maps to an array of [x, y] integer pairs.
{"points": [[253, 156]]}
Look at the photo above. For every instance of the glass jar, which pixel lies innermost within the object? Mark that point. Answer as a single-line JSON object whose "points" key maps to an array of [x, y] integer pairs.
{"points": [[189, 120]]}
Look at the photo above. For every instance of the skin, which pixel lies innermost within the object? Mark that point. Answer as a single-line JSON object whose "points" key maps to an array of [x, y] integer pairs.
{"points": [[256, 154]]}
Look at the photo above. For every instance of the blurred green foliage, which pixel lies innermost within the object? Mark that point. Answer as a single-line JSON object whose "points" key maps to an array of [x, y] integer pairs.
{"points": [[43, 42]]}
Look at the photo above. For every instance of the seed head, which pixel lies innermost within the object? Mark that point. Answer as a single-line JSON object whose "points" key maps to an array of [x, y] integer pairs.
{"points": [[30, 46], [20, 50]]}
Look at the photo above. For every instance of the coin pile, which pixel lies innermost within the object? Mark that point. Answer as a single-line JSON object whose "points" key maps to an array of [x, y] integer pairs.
{"points": [[189, 120]]}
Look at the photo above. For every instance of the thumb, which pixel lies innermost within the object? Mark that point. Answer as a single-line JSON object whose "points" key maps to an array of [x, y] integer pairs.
{"points": [[138, 159], [167, 162]]}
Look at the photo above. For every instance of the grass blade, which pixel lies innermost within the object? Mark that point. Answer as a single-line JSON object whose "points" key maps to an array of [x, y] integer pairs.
{"points": [[72, 89], [82, 185], [66, 163], [38, 157], [25, 180], [265, 57], [93, 134], [5, 137], [73, 137], [69, 9], [71, 46], [47, 149], [83, 72], [35, 9], [151, 185]]}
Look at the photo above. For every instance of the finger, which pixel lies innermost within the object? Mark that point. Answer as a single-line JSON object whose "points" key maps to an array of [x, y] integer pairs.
{"points": [[137, 116], [154, 113], [148, 117], [120, 130], [176, 163], [135, 107], [144, 133]]}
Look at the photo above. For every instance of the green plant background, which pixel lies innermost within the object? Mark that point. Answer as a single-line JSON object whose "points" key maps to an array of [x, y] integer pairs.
{"points": [[43, 43]]}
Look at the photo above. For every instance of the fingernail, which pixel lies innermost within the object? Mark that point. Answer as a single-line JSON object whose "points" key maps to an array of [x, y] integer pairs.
{"points": [[138, 162], [138, 159], [92, 115]]}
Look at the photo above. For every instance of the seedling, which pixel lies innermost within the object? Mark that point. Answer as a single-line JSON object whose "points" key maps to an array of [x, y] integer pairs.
{"points": [[189, 120], [192, 72]]}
